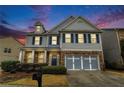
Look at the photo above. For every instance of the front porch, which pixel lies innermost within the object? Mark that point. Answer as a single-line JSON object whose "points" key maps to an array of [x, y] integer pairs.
{"points": [[52, 58], [32, 56]]}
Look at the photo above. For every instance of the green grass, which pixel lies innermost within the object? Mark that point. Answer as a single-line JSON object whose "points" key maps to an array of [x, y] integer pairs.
{"points": [[48, 80]]}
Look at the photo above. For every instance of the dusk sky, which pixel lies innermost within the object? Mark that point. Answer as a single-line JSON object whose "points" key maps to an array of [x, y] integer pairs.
{"points": [[21, 18]]}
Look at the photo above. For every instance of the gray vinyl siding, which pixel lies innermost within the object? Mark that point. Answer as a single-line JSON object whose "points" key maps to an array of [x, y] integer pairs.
{"points": [[45, 42], [30, 39], [91, 47], [82, 46], [111, 48]]}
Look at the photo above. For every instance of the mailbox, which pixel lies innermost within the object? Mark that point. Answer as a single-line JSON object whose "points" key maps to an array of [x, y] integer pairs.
{"points": [[34, 77], [38, 76]]}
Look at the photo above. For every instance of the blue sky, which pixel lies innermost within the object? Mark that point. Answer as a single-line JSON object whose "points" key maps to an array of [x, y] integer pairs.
{"points": [[23, 17]]}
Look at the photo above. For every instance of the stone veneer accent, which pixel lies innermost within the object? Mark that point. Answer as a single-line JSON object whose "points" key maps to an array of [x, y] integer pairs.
{"points": [[83, 53]]}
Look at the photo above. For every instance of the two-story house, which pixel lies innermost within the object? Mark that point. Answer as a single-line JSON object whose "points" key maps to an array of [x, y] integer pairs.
{"points": [[74, 43]]}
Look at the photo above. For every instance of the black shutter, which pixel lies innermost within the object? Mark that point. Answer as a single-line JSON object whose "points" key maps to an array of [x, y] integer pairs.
{"points": [[76, 38], [33, 40], [63, 38], [89, 38], [50, 40], [72, 39], [85, 38], [97, 38], [40, 40], [57, 40]]}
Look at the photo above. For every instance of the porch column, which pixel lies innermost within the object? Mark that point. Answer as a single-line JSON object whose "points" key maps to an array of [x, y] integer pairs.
{"points": [[23, 56], [45, 56], [20, 55], [33, 52]]}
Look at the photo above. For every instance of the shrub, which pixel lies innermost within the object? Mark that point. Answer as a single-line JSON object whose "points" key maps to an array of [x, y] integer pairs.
{"points": [[54, 70], [28, 67], [8, 65]]}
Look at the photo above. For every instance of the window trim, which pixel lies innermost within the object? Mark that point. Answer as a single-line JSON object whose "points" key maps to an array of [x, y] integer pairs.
{"points": [[93, 38], [38, 41], [81, 38], [68, 38], [52, 40], [38, 28]]}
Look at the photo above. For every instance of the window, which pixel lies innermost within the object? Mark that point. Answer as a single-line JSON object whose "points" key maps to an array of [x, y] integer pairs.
{"points": [[93, 38], [68, 38], [38, 28], [80, 38], [54, 40], [37, 40], [40, 57], [7, 50], [29, 57]]}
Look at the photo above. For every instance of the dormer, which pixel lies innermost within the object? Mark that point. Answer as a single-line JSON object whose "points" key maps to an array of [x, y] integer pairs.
{"points": [[39, 28]]}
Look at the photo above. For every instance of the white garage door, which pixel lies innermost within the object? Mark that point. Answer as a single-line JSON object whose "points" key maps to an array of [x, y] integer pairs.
{"points": [[81, 62]]}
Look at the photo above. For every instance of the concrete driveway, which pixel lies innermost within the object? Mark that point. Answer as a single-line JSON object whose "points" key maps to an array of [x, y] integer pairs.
{"points": [[95, 78]]}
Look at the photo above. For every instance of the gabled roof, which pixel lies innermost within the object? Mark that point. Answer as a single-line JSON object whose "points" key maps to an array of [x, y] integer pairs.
{"points": [[83, 19], [12, 38], [58, 27], [112, 29]]}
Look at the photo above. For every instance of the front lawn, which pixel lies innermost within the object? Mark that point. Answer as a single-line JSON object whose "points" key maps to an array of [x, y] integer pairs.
{"points": [[48, 80]]}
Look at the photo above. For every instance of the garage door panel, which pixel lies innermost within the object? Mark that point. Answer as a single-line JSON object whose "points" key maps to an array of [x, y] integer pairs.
{"points": [[86, 63], [94, 62], [69, 63], [77, 63]]}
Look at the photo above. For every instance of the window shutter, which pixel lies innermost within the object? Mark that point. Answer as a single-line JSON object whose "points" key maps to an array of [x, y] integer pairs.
{"points": [[89, 38], [33, 40], [85, 38], [50, 40], [97, 38], [72, 39], [76, 38], [57, 40], [63, 38], [40, 40]]}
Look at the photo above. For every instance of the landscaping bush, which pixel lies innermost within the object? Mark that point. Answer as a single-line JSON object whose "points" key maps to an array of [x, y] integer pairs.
{"points": [[8, 65], [54, 70], [29, 67]]}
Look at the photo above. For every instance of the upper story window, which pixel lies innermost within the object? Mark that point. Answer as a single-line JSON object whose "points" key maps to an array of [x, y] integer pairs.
{"points": [[93, 38], [68, 38], [37, 40], [54, 40], [38, 28], [80, 38]]}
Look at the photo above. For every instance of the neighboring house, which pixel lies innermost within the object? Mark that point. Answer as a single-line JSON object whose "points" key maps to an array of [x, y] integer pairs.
{"points": [[111, 45], [9, 49], [74, 43], [121, 33]]}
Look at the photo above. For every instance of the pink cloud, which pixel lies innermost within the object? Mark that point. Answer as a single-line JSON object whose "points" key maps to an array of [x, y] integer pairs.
{"points": [[109, 17]]}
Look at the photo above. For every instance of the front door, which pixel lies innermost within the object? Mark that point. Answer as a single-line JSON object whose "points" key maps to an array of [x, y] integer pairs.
{"points": [[54, 60]]}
